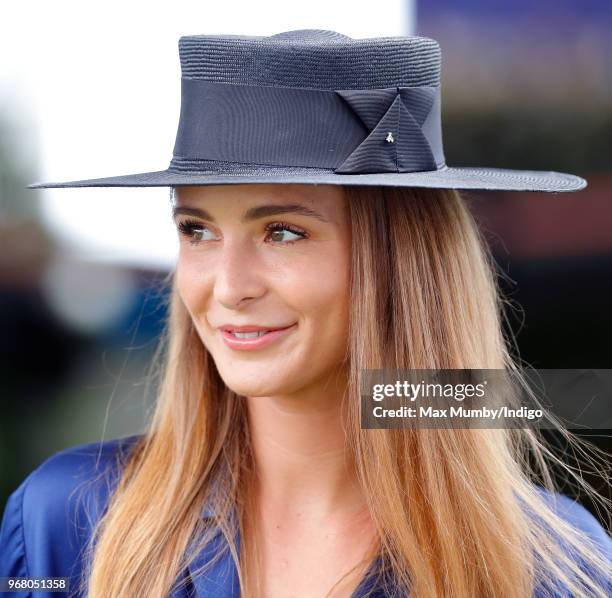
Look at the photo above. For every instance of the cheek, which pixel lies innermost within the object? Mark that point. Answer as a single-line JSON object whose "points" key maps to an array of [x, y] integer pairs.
{"points": [[337, 294], [192, 284], [333, 289], [320, 292]]}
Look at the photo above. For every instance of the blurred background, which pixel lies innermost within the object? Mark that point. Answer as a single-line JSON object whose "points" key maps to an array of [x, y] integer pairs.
{"points": [[86, 93]]}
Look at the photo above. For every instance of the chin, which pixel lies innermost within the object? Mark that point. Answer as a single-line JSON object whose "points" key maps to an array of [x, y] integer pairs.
{"points": [[247, 388], [265, 380]]}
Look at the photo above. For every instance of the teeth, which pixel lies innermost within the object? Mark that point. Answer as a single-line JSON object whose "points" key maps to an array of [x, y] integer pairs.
{"points": [[249, 334]]}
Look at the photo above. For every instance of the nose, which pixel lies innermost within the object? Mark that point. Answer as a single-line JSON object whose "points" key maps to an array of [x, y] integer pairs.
{"points": [[237, 275]]}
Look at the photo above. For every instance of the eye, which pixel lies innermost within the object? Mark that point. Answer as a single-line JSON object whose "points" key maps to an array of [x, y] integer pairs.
{"points": [[189, 228], [285, 234]]}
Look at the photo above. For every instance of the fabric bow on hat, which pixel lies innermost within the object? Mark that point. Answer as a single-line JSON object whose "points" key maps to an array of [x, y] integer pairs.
{"points": [[393, 116]]}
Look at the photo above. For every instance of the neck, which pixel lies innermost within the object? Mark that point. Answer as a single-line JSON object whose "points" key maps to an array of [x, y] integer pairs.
{"points": [[303, 466]]}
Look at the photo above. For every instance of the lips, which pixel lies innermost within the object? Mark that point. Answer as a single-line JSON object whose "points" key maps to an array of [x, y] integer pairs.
{"points": [[252, 337]]}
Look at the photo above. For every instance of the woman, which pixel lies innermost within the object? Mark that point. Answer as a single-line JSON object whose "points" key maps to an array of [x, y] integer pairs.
{"points": [[255, 477], [345, 279]]}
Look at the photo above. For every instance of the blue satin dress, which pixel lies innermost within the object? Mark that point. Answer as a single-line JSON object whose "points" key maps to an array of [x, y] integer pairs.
{"points": [[49, 517]]}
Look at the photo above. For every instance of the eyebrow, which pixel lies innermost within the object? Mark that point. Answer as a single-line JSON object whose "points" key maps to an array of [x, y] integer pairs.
{"points": [[255, 212]]}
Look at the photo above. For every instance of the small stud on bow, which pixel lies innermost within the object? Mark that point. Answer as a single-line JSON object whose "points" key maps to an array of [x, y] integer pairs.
{"points": [[389, 138]]}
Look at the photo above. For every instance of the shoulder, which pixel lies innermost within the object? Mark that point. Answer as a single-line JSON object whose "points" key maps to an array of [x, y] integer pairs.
{"points": [[578, 516], [49, 516], [82, 474], [581, 518]]}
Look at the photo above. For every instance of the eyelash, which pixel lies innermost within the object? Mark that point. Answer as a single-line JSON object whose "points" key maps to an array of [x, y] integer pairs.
{"points": [[187, 227]]}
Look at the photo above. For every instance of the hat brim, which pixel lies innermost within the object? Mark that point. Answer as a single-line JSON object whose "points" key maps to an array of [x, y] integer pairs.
{"points": [[448, 177]]}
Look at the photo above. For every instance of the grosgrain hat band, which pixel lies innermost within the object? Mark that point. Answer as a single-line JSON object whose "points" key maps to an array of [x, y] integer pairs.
{"points": [[353, 131]]}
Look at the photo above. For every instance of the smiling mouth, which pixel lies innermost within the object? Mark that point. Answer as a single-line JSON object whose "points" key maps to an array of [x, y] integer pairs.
{"points": [[250, 340]]}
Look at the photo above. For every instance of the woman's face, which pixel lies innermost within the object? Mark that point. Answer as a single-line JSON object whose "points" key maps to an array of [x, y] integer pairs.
{"points": [[274, 259]]}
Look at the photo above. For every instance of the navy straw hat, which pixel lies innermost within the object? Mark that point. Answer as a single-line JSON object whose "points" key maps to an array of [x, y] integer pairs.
{"points": [[315, 106]]}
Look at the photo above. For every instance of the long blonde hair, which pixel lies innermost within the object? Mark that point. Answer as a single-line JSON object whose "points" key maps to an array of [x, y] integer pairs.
{"points": [[446, 504]]}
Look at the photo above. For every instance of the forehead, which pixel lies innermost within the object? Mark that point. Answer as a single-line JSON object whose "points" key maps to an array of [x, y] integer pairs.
{"points": [[193, 195]]}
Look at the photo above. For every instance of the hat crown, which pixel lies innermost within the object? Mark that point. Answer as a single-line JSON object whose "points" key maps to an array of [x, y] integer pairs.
{"points": [[315, 36], [311, 58]]}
